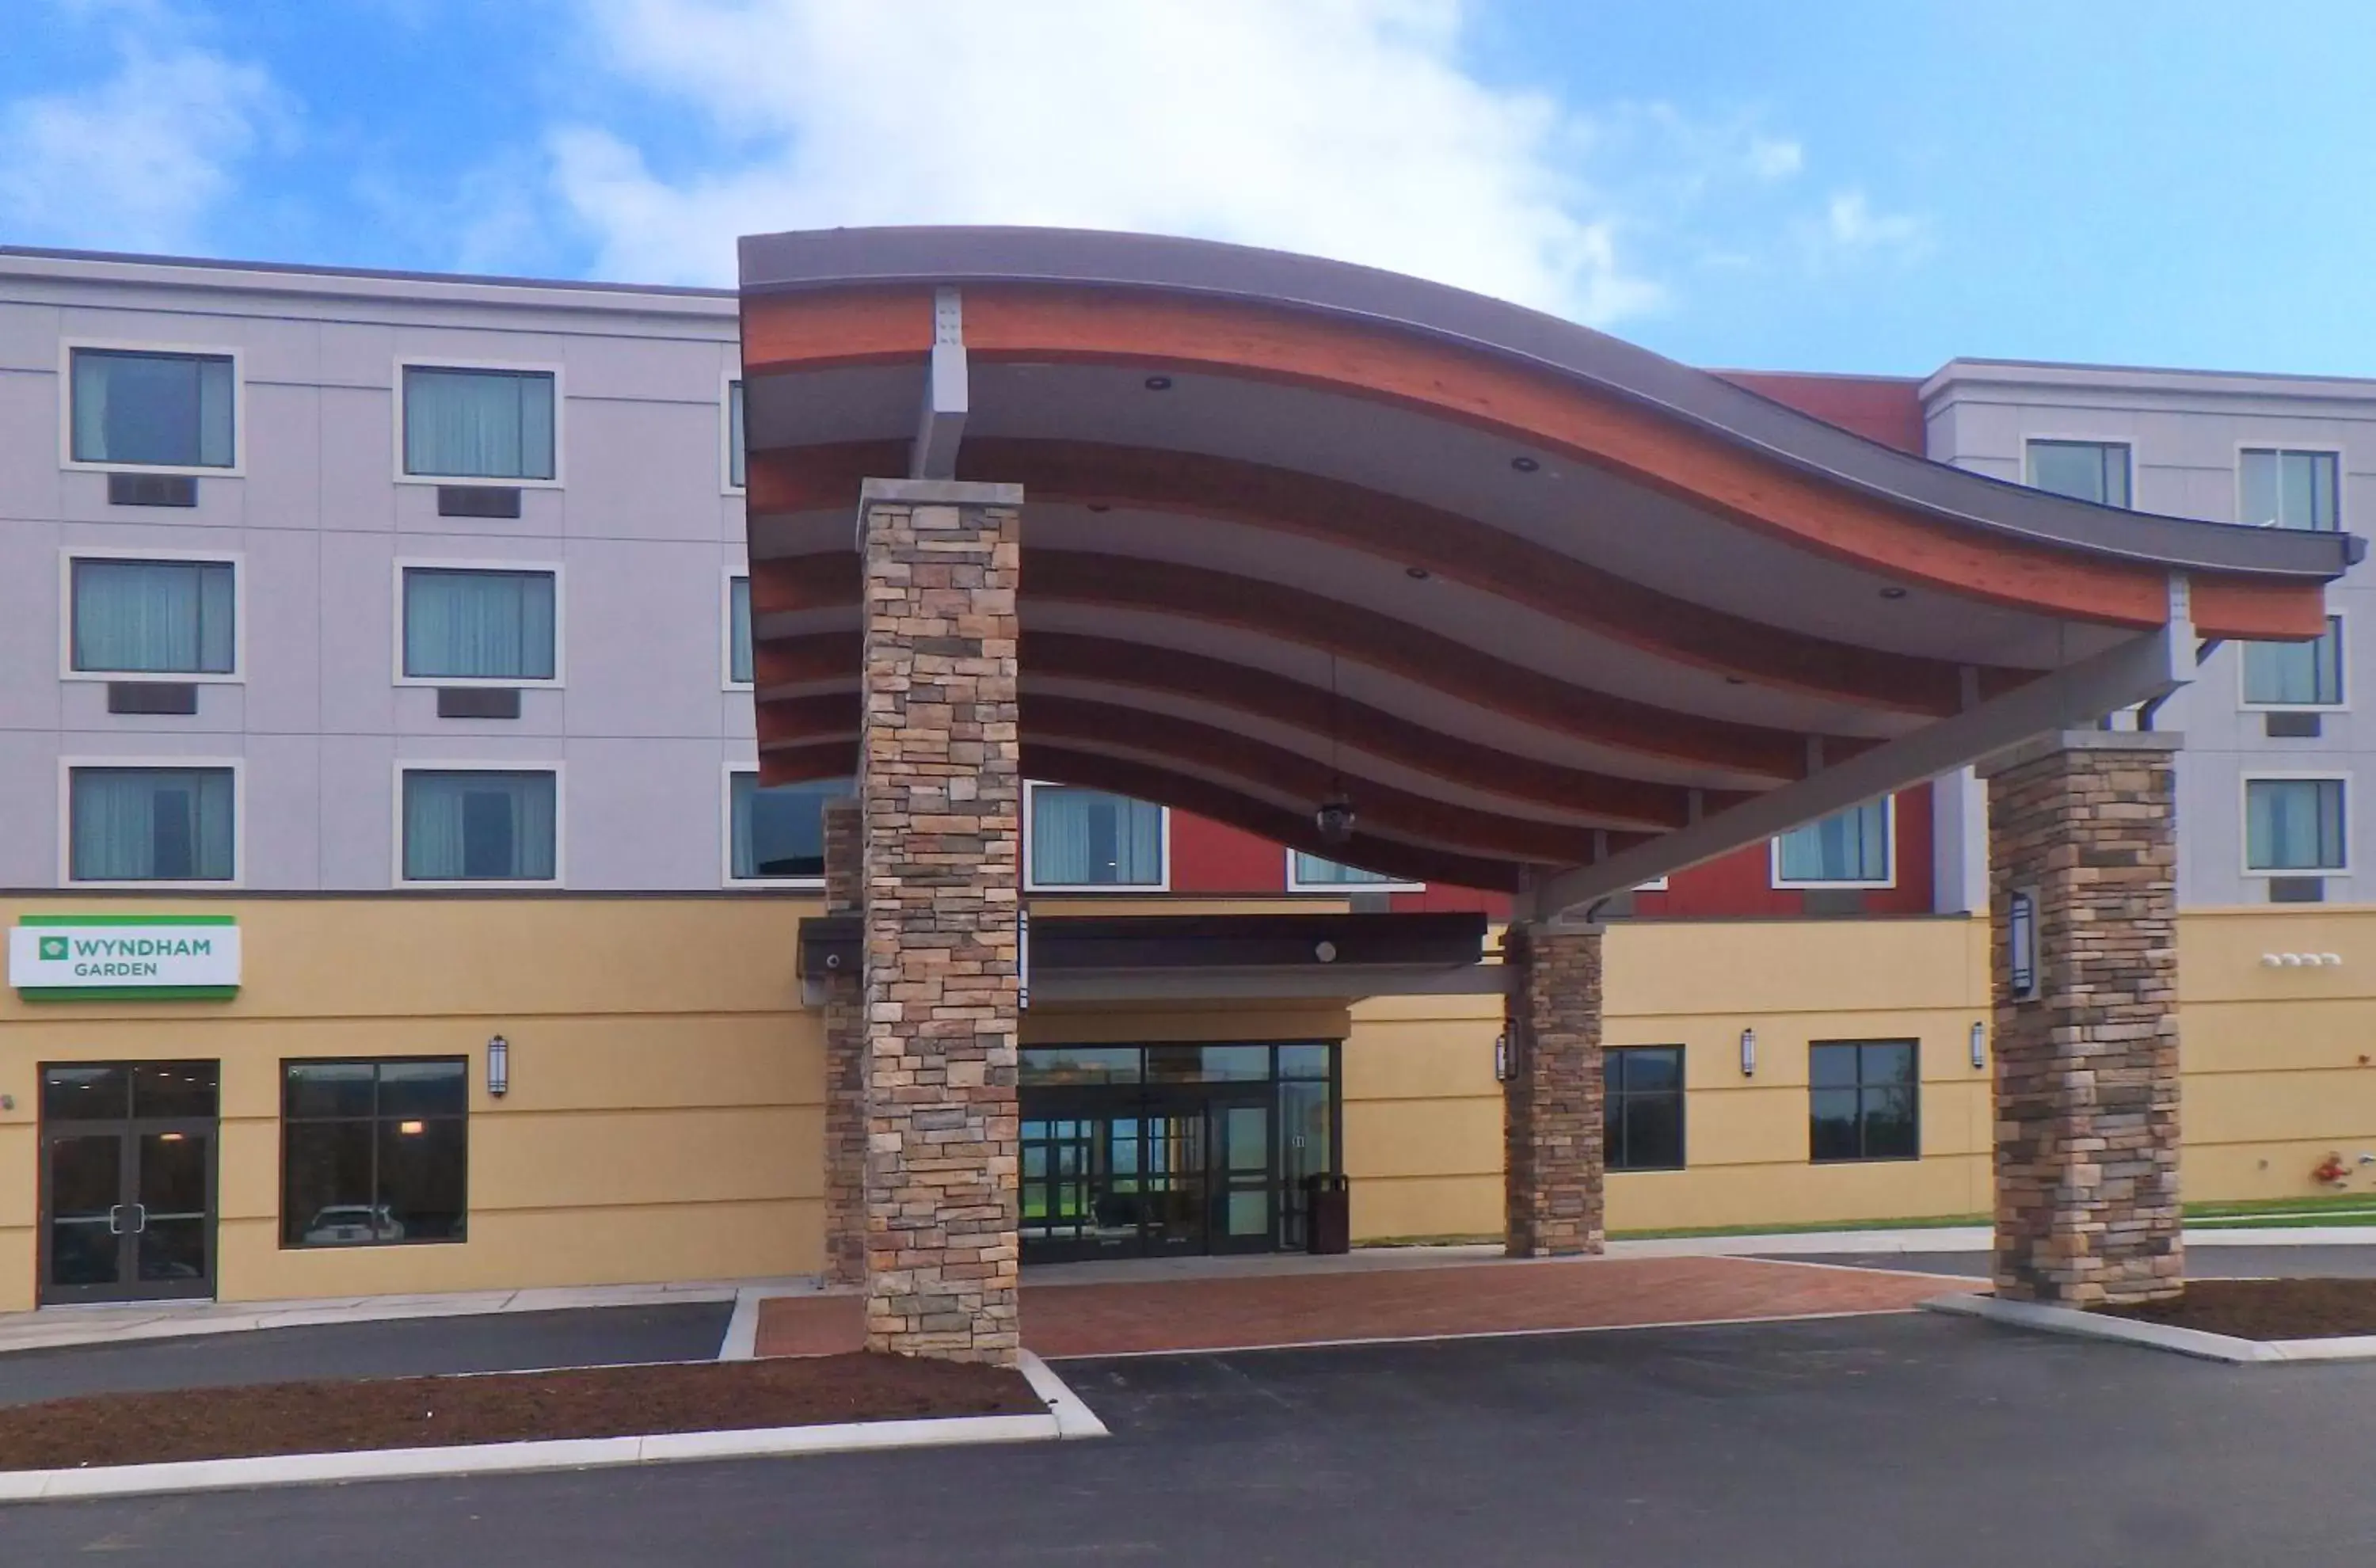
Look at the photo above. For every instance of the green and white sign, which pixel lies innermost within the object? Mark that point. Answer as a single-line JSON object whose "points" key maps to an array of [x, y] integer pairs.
{"points": [[124, 958]]}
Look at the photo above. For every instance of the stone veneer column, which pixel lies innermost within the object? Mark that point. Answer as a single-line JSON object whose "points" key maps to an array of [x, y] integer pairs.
{"points": [[2086, 1071], [1552, 1091], [940, 781], [845, 1056]]}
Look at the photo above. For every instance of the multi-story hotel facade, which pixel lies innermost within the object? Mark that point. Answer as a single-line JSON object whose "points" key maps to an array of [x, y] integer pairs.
{"points": [[396, 903]]}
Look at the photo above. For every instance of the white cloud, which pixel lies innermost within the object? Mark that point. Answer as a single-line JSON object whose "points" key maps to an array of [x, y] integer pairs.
{"points": [[1852, 227], [1341, 127], [1771, 158], [140, 158]]}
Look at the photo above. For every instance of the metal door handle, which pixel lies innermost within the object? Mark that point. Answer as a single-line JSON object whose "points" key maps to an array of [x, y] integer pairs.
{"points": [[115, 1221], [139, 1219]]}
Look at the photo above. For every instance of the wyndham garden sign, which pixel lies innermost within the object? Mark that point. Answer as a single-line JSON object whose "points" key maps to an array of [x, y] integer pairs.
{"points": [[124, 958]]}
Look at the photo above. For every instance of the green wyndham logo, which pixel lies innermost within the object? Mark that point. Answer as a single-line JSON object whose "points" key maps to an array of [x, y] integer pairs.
{"points": [[53, 948]]}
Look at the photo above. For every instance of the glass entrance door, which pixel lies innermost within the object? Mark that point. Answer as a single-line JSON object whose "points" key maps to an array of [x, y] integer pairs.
{"points": [[128, 1181], [1243, 1214]]}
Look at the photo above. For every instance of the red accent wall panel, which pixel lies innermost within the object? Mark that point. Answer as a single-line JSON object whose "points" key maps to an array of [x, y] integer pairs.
{"points": [[1740, 885], [1886, 409], [1211, 858]]}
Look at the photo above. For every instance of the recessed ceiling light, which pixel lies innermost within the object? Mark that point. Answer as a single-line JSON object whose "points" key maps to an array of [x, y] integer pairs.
{"points": [[1524, 465], [1158, 383], [1736, 680], [1892, 593], [1100, 506], [1417, 574]]}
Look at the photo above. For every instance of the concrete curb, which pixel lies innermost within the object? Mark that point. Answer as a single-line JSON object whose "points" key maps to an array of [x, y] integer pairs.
{"points": [[2157, 1335], [741, 1340], [1066, 1418]]}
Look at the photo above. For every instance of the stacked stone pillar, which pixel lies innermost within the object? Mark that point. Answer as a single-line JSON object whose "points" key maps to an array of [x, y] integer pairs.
{"points": [[2086, 1070], [845, 1056], [1552, 1091], [940, 784]]}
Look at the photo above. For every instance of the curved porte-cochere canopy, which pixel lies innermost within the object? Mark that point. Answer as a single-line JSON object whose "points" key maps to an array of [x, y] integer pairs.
{"points": [[1559, 615]]}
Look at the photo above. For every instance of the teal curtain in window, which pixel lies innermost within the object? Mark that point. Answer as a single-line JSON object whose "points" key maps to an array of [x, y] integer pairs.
{"points": [[478, 423], [150, 825], [2294, 824], [2296, 674], [1311, 871], [172, 410], [463, 625], [153, 617], [1088, 838], [1850, 847], [479, 827], [738, 630], [2290, 489], [780, 832], [734, 432], [2084, 470]]}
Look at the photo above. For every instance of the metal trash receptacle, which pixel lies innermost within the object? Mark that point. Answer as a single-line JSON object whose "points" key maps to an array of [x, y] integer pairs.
{"points": [[1327, 1214]]}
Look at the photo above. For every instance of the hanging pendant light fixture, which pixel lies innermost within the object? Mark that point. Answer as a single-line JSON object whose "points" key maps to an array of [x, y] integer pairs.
{"points": [[1334, 818]]}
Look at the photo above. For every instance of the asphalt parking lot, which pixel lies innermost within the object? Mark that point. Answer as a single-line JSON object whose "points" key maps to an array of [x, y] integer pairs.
{"points": [[390, 1347], [1839, 1443]]}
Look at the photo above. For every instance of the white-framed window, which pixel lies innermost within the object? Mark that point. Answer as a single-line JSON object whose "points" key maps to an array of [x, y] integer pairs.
{"points": [[163, 407], [151, 616], [477, 823], [1850, 848], [1310, 873], [1076, 839], [2285, 487], [2297, 675], [150, 822], [478, 623], [471, 421], [2297, 825], [738, 651], [776, 836], [736, 480], [2084, 470]]}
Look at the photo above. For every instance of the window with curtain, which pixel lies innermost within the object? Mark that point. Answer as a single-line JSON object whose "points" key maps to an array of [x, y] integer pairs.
{"points": [[373, 1152], [2294, 824], [2084, 470], [142, 409], [1863, 1100], [1852, 846], [734, 434], [738, 632], [478, 625], [153, 617], [2290, 489], [2296, 674], [478, 423], [779, 832], [1641, 1107], [150, 825], [479, 825], [1088, 838], [1311, 871]]}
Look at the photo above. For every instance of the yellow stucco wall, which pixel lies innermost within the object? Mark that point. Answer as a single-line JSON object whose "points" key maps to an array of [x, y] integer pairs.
{"points": [[665, 1115], [2280, 1069]]}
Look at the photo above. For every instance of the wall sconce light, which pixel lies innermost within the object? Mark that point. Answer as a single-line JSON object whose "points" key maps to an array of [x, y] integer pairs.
{"points": [[1749, 1053], [1980, 1045], [1502, 1057], [499, 1066]]}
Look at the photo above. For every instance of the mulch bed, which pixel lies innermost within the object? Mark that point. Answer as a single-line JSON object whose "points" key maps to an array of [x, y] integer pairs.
{"points": [[424, 1412], [2267, 1309]]}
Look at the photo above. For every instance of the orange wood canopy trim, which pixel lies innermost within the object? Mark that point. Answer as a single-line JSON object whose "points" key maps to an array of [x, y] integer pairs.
{"points": [[1109, 661], [1057, 765], [791, 584], [1446, 544], [1534, 409], [1105, 728]]}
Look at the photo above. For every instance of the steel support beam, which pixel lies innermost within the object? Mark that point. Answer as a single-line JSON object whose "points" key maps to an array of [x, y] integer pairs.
{"points": [[948, 393]]}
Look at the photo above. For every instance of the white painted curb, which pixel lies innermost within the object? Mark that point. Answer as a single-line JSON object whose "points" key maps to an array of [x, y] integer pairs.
{"points": [[742, 1340], [1067, 1418], [2158, 1336]]}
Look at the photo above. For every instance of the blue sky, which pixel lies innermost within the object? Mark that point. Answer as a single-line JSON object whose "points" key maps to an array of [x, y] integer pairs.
{"points": [[1872, 185]]}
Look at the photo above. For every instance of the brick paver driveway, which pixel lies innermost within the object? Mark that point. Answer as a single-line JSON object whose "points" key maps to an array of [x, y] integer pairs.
{"points": [[1402, 1304]]}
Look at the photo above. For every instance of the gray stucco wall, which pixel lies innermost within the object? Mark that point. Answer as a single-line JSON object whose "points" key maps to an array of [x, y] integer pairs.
{"points": [[2186, 431], [641, 524]]}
